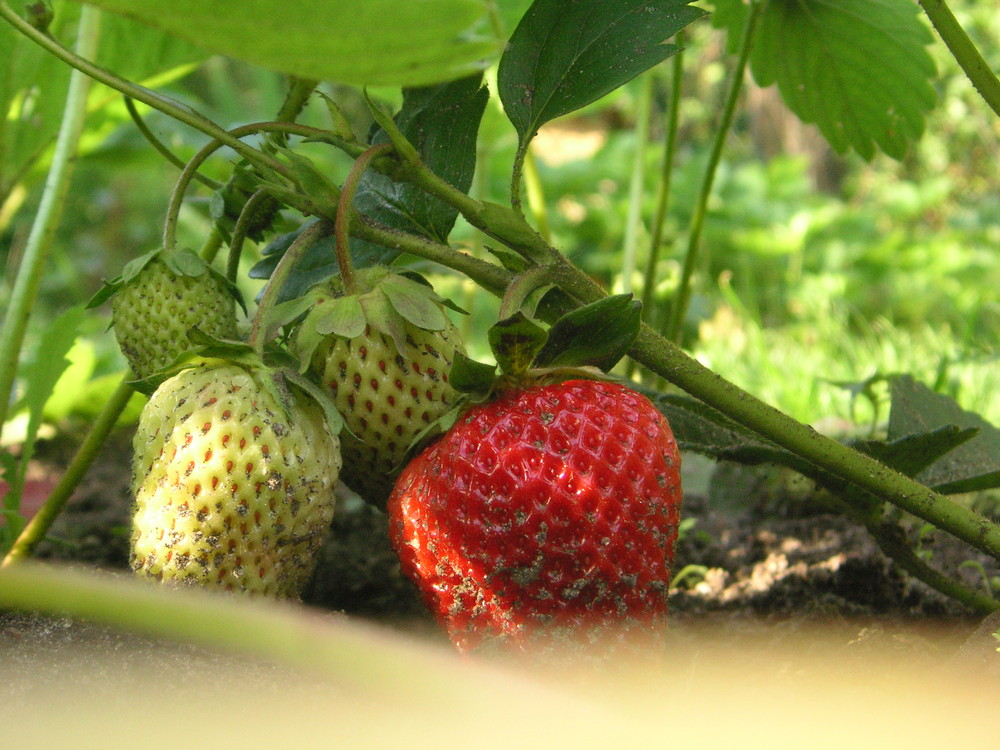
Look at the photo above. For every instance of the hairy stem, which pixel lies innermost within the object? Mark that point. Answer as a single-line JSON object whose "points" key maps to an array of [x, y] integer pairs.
{"points": [[893, 543], [240, 230], [492, 278], [89, 449], [964, 51], [667, 359], [180, 188], [682, 298], [536, 195], [161, 147], [663, 194], [259, 328], [36, 251], [345, 209], [637, 183], [296, 98]]}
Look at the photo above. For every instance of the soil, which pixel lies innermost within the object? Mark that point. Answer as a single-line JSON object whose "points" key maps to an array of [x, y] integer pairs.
{"points": [[758, 559]]}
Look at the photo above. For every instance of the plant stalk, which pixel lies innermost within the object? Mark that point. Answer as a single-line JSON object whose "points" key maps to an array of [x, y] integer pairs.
{"points": [[345, 211], [964, 51], [682, 298], [667, 359], [240, 230], [636, 184], [536, 195], [191, 168], [89, 449], [50, 210], [160, 146], [257, 337], [663, 194]]}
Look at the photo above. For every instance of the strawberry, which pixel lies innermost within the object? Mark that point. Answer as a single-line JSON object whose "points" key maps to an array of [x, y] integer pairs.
{"points": [[546, 515], [158, 299], [383, 354], [233, 477]]}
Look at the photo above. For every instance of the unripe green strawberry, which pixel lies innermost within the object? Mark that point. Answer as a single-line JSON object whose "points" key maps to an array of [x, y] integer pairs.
{"points": [[387, 375], [158, 299], [233, 477]]}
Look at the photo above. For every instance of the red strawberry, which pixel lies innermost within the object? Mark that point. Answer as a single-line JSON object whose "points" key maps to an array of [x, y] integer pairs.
{"points": [[544, 516]]}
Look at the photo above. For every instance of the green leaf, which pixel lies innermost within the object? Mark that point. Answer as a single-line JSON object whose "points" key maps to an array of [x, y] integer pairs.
{"points": [[340, 316], [597, 334], [415, 302], [973, 465], [333, 417], [442, 123], [565, 55], [914, 453], [364, 42], [515, 342], [858, 69]]}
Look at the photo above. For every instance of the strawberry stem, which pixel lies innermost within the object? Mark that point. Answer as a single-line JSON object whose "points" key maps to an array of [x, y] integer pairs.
{"points": [[258, 328], [240, 231], [342, 225], [191, 169], [521, 287], [160, 146]]}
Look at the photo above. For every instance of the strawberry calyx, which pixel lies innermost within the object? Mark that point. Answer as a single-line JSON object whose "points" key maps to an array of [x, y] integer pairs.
{"points": [[583, 344], [275, 372], [181, 262], [385, 300]]}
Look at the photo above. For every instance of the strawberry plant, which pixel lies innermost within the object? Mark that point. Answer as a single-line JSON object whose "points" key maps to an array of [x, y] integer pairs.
{"points": [[562, 457]]}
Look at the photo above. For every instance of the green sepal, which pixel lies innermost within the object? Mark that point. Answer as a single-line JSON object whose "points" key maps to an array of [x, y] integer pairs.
{"points": [[341, 316], [185, 262], [414, 276], [382, 316], [387, 301], [134, 267], [334, 420], [129, 272], [403, 147], [471, 377], [203, 347], [598, 334], [340, 124], [314, 183], [515, 342], [181, 262], [415, 302], [286, 313]]}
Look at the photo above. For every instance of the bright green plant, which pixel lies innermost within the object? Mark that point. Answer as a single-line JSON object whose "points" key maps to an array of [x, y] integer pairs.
{"points": [[421, 161]]}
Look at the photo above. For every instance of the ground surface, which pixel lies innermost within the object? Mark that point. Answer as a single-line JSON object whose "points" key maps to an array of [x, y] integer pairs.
{"points": [[758, 559]]}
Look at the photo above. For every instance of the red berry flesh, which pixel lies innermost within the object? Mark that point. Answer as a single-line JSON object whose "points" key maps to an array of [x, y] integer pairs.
{"points": [[547, 515]]}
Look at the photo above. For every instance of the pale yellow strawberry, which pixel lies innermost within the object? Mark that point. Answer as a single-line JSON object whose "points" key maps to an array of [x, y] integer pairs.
{"points": [[234, 482]]}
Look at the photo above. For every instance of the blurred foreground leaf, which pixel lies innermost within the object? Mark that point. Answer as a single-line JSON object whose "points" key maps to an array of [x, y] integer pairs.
{"points": [[373, 42]]}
